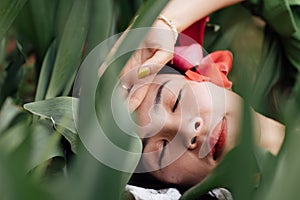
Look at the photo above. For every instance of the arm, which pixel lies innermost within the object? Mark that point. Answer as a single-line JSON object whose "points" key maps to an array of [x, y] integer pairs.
{"points": [[184, 13], [158, 47]]}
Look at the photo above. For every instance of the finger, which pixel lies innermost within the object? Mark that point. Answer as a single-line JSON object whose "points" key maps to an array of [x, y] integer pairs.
{"points": [[135, 98], [155, 63], [134, 62]]}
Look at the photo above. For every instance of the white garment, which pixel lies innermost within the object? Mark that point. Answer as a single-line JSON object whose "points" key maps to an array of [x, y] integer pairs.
{"points": [[221, 194], [140, 193]]}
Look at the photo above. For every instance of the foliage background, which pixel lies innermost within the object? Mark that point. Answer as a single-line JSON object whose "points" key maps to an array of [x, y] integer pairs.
{"points": [[42, 46]]}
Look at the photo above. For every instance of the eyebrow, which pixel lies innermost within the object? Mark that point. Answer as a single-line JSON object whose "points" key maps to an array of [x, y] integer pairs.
{"points": [[158, 94], [177, 101]]}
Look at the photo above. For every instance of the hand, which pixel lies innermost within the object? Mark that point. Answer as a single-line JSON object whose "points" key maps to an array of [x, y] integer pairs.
{"points": [[154, 52]]}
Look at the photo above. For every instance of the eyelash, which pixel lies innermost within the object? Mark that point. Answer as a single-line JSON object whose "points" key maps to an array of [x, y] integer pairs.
{"points": [[164, 142]]}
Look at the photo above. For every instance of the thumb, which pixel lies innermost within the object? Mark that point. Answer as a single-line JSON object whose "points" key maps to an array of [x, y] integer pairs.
{"points": [[154, 63]]}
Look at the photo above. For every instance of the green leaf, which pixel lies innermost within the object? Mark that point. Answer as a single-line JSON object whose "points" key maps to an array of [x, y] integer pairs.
{"points": [[12, 138], [131, 146], [13, 76], [63, 12], [70, 136], [69, 51], [127, 12], [14, 184], [8, 113], [9, 9], [42, 14], [44, 77], [45, 145], [59, 110], [284, 182], [2, 55], [101, 23]]}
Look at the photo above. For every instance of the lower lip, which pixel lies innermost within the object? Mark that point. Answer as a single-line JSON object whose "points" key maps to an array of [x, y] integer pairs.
{"points": [[219, 143]]}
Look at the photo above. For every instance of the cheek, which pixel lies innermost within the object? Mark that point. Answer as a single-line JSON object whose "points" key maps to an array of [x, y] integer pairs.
{"points": [[196, 99], [210, 98], [186, 171]]}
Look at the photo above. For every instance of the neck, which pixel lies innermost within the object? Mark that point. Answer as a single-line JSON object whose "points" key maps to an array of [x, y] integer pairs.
{"points": [[271, 133]]}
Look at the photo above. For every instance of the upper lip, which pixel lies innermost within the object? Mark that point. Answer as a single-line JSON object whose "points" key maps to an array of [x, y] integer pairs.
{"points": [[214, 143], [217, 139]]}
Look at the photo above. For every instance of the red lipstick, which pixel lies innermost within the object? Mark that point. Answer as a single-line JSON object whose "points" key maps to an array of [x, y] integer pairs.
{"points": [[218, 140]]}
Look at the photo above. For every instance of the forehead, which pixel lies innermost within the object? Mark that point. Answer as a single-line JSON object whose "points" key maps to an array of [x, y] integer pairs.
{"points": [[159, 79], [167, 82], [164, 85], [164, 82]]}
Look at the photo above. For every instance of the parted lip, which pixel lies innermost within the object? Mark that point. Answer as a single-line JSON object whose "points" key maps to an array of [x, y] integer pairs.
{"points": [[218, 138]]}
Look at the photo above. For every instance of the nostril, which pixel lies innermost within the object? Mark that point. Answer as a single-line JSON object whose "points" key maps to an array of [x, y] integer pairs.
{"points": [[193, 140], [197, 124]]}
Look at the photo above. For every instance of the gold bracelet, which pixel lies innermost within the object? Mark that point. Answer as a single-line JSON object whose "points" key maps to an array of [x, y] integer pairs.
{"points": [[170, 24]]}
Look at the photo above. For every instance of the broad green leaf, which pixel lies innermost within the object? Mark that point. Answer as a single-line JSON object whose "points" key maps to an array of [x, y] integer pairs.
{"points": [[285, 180], [45, 74], [43, 13], [70, 136], [88, 123], [101, 23], [12, 138], [8, 112], [269, 73], [59, 110], [127, 12], [15, 183], [13, 76], [2, 54], [24, 28], [9, 9], [69, 50], [45, 145], [63, 12]]}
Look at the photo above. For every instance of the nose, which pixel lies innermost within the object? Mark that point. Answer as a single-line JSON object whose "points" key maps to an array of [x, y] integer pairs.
{"points": [[193, 137]]}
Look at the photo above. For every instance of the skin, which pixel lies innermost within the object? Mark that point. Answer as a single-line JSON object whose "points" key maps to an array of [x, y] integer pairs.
{"points": [[158, 47], [177, 146]]}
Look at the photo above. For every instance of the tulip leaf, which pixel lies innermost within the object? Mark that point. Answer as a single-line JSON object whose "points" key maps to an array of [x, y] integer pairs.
{"points": [[9, 9], [61, 112], [45, 74], [69, 51], [8, 113]]}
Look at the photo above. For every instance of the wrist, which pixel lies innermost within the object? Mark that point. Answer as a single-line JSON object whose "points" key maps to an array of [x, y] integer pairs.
{"points": [[169, 23]]}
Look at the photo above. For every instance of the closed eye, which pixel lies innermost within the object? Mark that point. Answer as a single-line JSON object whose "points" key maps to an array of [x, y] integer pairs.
{"points": [[177, 101], [165, 142]]}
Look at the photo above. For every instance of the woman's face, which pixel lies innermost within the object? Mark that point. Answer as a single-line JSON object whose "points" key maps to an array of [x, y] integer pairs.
{"points": [[186, 128]]}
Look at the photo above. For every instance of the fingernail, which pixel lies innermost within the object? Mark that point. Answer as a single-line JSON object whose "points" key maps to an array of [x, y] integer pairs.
{"points": [[143, 71]]}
